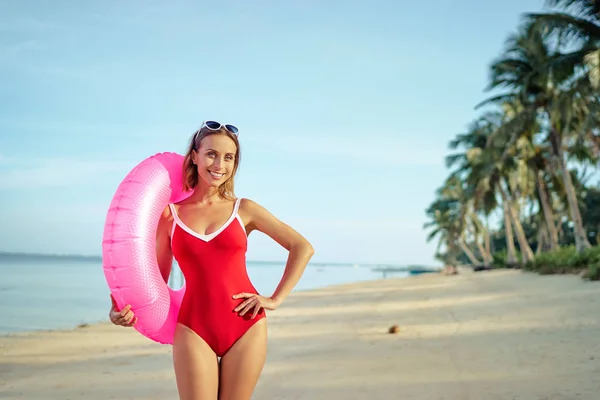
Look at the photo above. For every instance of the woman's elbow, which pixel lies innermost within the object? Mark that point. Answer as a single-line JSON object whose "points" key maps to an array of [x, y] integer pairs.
{"points": [[310, 250], [305, 248]]}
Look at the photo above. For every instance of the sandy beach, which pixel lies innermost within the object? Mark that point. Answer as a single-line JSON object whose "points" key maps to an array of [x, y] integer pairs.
{"points": [[493, 335]]}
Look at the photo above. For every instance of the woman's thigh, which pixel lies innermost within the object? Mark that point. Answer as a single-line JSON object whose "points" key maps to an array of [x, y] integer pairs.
{"points": [[242, 365], [196, 366]]}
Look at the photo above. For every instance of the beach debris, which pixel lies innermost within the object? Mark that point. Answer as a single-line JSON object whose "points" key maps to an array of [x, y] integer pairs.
{"points": [[394, 329]]}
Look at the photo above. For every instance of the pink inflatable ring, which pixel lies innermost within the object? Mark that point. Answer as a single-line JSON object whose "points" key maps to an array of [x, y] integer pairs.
{"points": [[129, 244]]}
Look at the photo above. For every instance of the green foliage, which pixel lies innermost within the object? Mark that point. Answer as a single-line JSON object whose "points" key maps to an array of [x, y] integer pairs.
{"points": [[593, 272], [566, 260], [501, 259], [560, 261]]}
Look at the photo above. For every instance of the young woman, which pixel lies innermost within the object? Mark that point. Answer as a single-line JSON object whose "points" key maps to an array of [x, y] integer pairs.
{"points": [[220, 342]]}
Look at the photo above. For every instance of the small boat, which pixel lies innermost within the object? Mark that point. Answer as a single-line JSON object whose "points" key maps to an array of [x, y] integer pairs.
{"points": [[411, 270]]}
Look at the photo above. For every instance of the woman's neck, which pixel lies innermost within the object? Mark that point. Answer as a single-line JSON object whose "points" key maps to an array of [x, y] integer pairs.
{"points": [[205, 194]]}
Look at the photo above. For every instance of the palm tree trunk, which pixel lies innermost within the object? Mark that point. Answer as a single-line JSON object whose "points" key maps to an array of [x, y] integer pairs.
{"points": [[469, 253], [547, 208], [487, 257], [488, 239], [511, 251], [487, 245], [581, 241], [452, 254], [559, 228], [541, 238], [526, 252]]}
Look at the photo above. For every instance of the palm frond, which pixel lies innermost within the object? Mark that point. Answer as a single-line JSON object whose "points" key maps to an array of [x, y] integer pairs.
{"points": [[566, 26], [432, 235], [585, 8], [565, 66], [508, 72], [499, 99], [454, 159]]}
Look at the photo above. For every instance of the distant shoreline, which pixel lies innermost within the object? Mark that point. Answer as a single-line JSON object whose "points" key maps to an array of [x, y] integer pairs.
{"points": [[91, 257], [49, 255]]}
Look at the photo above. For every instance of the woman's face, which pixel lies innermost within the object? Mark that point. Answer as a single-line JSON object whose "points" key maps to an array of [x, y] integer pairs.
{"points": [[215, 159]]}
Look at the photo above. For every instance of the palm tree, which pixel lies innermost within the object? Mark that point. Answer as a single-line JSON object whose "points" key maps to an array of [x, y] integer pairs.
{"points": [[542, 99], [506, 177], [447, 216], [443, 227], [473, 167], [473, 141], [518, 158], [538, 163], [577, 25], [533, 170], [467, 221]]}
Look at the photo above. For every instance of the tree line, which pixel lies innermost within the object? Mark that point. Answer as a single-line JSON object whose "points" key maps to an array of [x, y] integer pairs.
{"points": [[530, 155]]}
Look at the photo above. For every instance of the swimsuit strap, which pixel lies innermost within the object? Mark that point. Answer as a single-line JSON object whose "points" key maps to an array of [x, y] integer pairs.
{"points": [[236, 206], [174, 215]]}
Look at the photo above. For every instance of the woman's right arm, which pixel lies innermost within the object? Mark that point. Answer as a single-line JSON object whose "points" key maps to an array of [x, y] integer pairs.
{"points": [[164, 257]]}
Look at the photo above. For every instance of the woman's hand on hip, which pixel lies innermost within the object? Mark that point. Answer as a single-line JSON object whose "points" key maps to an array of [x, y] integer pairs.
{"points": [[255, 301]]}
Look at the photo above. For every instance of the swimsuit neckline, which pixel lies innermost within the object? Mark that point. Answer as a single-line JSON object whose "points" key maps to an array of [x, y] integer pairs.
{"points": [[210, 236]]}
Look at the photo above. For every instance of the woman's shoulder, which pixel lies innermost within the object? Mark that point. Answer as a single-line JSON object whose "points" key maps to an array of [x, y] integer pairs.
{"points": [[246, 203], [251, 208], [167, 213]]}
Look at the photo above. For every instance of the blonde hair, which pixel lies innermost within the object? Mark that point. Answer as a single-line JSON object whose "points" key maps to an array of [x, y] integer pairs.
{"points": [[190, 171]]}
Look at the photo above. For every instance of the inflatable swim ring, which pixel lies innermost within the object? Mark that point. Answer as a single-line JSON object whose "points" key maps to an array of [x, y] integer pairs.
{"points": [[129, 244]]}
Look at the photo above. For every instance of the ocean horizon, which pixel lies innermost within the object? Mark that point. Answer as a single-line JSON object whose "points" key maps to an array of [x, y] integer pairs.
{"points": [[61, 291]]}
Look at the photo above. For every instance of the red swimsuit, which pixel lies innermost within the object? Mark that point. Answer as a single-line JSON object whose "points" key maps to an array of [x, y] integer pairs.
{"points": [[214, 267]]}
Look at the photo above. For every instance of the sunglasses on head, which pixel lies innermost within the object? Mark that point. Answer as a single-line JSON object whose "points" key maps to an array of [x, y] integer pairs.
{"points": [[215, 126]]}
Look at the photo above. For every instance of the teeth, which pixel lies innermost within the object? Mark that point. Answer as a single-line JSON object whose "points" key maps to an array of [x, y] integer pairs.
{"points": [[215, 175]]}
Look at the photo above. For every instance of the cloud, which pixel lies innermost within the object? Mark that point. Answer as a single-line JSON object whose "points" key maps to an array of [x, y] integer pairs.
{"points": [[401, 150], [54, 172]]}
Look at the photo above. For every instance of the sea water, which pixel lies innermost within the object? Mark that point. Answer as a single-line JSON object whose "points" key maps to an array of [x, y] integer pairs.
{"points": [[40, 292]]}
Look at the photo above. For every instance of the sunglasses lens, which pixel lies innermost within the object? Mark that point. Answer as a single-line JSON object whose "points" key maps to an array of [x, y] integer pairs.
{"points": [[213, 124], [232, 129]]}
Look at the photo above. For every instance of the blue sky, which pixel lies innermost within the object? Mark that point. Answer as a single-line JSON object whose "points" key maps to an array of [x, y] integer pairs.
{"points": [[345, 110]]}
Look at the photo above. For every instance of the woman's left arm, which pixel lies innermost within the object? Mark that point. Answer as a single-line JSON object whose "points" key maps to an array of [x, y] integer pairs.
{"points": [[300, 250]]}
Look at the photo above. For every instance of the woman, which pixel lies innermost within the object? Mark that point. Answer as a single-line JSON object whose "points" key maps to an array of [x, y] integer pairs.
{"points": [[222, 316]]}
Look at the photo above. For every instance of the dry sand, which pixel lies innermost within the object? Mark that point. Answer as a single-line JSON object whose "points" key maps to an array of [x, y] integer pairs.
{"points": [[492, 335]]}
